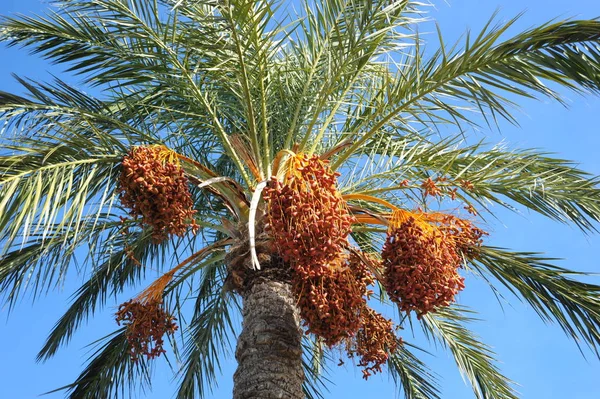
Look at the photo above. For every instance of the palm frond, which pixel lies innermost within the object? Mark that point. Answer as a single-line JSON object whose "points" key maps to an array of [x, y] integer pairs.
{"points": [[60, 107], [337, 44], [39, 264], [208, 336], [100, 52], [478, 75], [315, 358], [553, 187], [53, 189], [118, 270], [55, 197], [143, 27], [254, 45], [474, 359], [550, 291], [412, 375], [63, 176], [110, 372]]}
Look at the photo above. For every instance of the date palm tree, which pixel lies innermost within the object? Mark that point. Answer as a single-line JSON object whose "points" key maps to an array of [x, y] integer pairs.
{"points": [[333, 133]]}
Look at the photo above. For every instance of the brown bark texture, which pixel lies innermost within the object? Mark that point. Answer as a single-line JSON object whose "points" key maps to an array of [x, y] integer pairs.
{"points": [[269, 350]]}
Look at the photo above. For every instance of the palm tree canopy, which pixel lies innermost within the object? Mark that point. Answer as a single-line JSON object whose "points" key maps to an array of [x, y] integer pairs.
{"points": [[232, 90]]}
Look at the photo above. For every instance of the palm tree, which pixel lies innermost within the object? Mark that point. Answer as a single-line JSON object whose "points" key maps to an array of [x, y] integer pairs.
{"points": [[296, 168]]}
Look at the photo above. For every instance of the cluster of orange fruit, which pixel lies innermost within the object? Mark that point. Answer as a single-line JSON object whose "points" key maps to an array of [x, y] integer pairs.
{"points": [[374, 340], [146, 323], [332, 303], [307, 217], [154, 187], [421, 268], [421, 258], [466, 237], [309, 222]]}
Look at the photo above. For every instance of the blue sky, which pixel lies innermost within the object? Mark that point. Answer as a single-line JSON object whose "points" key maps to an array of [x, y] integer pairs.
{"points": [[540, 358]]}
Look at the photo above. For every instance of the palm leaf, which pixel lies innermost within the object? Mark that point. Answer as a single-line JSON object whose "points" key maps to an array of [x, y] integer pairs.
{"points": [[474, 359], [556, 52], [118, 270], [315, 359], [110, 372], [207, 337], [550, 291], [337, 46], [553, 187], [99, 51], [412, 375]]}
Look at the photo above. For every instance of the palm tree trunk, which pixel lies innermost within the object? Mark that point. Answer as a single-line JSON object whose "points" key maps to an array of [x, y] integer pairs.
{"points": [[269, 351]]}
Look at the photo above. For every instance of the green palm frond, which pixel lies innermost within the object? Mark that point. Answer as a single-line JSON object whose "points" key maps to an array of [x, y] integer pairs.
{"points": [[477, 76], [313, 387], [337, 47], [110, 372], [412, 375], [58, 108], [39, 264], [393, 159], [315, 361], [553, 187], [115, 272], [179, 81], [55, 197], [58, 187], [550, 291], [120, 271], [127, 62], [16, 273], [37, 189], [253, 46], [63, 176], [474, 359], [207, 337], [100, 51]]}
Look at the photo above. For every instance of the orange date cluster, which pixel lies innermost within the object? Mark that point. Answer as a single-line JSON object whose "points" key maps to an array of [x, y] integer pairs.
{"points": [[157, 191], [421, 268], [309, 223], [146, 323]]}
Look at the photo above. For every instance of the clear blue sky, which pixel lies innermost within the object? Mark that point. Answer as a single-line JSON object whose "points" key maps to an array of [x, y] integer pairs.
{"points": [[540, 358]]}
